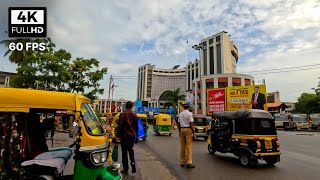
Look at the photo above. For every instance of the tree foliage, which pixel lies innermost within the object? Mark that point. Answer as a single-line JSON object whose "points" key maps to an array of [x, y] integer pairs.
{"points": [[55, 70], [175, 96], [309, 102]]}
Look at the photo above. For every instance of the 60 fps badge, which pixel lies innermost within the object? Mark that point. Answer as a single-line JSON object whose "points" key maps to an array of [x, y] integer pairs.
{"points": [[27, 22]]}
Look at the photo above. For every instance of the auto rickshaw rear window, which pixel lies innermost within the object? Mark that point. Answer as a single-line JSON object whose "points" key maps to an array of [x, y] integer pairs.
{"points": [[200, 122], [315, 117], [255, 127]]}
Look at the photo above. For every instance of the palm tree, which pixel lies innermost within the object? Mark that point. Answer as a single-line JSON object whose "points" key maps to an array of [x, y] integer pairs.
{"points": [[175, 96]]}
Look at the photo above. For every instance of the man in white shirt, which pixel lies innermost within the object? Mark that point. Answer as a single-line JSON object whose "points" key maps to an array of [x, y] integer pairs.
{"points": [[186, 133]]}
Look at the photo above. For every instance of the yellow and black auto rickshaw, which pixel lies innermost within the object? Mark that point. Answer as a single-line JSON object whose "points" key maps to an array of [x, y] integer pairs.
{"points": [[201, 124], [248, 134], [314, 121], [162, 124], [27, 155]]}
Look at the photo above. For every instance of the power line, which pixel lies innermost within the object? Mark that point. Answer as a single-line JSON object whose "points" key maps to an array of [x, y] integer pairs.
{"points": [[258, 73], [281, 68]]}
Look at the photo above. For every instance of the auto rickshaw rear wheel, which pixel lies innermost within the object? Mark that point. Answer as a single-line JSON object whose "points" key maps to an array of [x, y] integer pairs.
{"points": [[245, 159], [211, 149]]}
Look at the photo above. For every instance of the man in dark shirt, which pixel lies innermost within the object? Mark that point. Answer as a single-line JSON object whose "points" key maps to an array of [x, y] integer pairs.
{"points": [[127, 129]]}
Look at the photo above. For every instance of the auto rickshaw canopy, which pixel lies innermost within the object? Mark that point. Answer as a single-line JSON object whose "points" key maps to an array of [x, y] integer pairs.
{"points": [[163, 119], [22, 100], [243, 114]]}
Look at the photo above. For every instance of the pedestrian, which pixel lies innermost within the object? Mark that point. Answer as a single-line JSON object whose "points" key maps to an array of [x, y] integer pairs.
{"points": [[127, 129], [186, 133]]}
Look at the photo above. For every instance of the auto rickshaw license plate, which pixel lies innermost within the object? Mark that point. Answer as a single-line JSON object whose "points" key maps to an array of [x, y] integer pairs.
{"points": [[268, 144], [200, 130]]}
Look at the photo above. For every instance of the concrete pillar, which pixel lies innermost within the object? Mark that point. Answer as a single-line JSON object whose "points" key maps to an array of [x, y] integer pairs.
{"points": [[230, 81], [195, 98], [215, 82], [243, 83], [203, 96]]}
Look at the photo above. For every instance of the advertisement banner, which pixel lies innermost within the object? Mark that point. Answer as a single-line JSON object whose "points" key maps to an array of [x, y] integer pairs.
{"points": [[216, 100], [246, 97]]}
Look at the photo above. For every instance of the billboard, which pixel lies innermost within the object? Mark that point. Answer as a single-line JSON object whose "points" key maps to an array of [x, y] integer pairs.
{"points": [[246, 97], [216, 100]]}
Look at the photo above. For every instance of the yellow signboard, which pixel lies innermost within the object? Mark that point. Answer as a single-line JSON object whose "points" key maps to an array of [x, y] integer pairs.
{"points": [[246, 97]]}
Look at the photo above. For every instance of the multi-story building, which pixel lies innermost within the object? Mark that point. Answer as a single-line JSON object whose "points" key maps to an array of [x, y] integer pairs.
{"points": [[153, 82], [103, 105], [216, 68], [273, 97], [5, 78]]}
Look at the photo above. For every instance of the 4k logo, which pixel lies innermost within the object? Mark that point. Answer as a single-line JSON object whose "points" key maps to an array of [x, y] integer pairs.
{"points": [[27, 22]]}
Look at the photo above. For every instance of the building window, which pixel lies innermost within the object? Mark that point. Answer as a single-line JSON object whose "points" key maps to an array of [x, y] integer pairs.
{"points": [[197, 72], [222, 82], [192, 74], [236, 81], [218, 39], [205, 61], [219, 63], [247, 82], [211, 60], [189, 80], [211, 41]]}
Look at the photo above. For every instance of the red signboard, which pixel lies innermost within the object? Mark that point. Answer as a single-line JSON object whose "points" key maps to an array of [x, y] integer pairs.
{"points": [[216, 100]]}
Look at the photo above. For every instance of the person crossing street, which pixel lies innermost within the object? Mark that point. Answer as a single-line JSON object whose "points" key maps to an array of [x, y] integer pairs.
{"points": [[187, 135]]}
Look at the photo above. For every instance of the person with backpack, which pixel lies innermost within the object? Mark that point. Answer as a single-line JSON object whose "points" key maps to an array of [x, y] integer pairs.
{"points": [[127, 130]]}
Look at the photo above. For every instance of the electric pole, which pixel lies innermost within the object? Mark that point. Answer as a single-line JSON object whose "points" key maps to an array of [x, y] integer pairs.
{"points": [[107, 105]]}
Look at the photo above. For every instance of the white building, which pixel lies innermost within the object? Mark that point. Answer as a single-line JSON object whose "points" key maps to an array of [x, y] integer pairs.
{"points": [[152, 81]]}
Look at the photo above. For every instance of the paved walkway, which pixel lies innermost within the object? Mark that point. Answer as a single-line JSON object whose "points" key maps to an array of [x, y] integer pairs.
{"points": [[148, 164]]}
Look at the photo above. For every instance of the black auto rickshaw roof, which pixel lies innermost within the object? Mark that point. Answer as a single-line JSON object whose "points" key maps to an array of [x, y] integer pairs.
{"points": [[251, 113]]}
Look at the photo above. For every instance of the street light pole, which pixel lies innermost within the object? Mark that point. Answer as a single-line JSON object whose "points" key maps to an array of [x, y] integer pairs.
{"points": [[110, 81], [199, 47]]}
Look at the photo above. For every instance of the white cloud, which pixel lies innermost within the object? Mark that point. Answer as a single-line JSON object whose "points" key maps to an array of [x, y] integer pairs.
{"points": [[270, 34]]}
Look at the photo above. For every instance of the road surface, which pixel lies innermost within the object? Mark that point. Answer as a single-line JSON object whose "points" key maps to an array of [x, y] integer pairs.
{"points": [[300, 159]]}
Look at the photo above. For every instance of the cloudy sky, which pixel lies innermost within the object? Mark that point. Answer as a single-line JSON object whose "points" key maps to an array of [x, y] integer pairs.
{"points": [[126, 34]]}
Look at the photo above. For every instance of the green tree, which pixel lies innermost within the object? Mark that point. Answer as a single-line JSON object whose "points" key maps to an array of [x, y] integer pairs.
{"points": [[175, 96], [54, 70]]}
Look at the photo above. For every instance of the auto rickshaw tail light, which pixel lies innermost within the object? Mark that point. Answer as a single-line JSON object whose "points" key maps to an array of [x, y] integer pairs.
{"points": [[258, 145], [256, 138]]}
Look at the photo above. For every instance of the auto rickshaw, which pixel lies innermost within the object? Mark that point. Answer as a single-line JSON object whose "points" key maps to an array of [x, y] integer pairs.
{"points": [[115, 120], [279, 119], [248, 134], [200, 126], [301, 121], [25, 143], [162, 124], [315, 121]]}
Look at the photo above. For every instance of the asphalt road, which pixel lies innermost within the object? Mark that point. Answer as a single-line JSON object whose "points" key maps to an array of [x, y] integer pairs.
{"points": [[300, 159]]}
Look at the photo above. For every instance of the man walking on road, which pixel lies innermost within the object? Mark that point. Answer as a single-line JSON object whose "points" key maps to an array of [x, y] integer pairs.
{"points": [[127, 129], [186, 133]]}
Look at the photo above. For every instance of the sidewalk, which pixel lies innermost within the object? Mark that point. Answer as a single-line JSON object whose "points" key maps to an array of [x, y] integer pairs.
{"points": [[148, 166]]}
